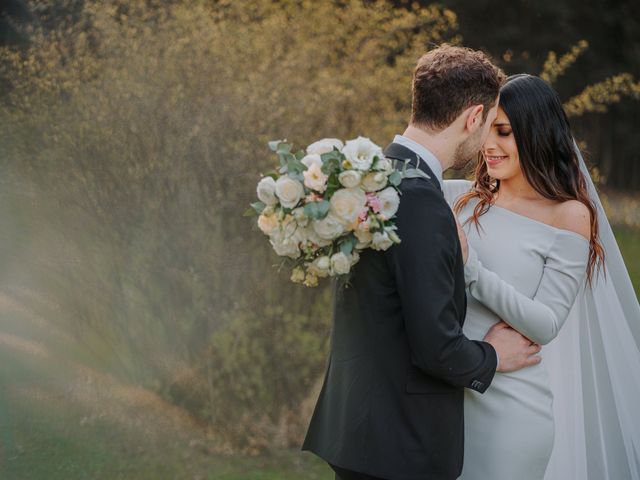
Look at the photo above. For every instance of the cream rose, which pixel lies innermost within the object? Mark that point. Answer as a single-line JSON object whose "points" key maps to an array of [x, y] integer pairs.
{"points": [[310, 280], [374, 181], [381, 241], [329, 228], [267, 191], [364, 238], [267, 223], [298, 275], [360, 152], [340, 264], [324, 146], [315, 179], [350, 178], [346, 204], [389, 202], [320, 267], [289, 191]]}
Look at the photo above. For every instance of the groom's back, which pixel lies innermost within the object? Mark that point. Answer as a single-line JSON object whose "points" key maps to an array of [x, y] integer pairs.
{"points": [[378, 413]]}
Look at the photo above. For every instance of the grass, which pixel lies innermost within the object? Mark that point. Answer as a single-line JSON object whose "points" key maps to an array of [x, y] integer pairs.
{"points": [[62, 418]]}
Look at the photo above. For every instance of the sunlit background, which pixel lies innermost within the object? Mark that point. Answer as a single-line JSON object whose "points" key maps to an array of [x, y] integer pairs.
{"points": [[144, 332]]}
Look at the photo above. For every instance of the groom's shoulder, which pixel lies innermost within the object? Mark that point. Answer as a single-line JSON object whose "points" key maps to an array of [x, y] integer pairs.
{"points": [[421, 190], [423, 203]]}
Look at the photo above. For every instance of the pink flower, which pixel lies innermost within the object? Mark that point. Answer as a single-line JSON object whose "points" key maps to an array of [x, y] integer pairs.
{"points": [[374, 203], [363, 215]]}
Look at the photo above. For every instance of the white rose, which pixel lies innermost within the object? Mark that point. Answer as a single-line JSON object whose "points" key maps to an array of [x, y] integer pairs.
{"points": [[329, 228], [285, 246], [340, 264], [267, 191], [267, 223], [350, 178], [324, 146], [385, 165], [354, 258], [289, 191], [312, 237], [360, 152], [320, 267], [315, 179], [313, 159], [389, 202], [374, 181], [347, 203], [381, 241]]}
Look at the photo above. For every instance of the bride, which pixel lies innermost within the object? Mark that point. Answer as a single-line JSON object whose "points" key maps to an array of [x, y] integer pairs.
{"points": [[542, 256]]}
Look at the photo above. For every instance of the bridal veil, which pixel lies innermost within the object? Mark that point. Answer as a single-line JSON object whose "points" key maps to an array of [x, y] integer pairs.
{"points": [[594, 368]]}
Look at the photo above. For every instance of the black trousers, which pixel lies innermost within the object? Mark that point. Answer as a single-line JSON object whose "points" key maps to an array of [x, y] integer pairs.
{"points": [[342, 474]]}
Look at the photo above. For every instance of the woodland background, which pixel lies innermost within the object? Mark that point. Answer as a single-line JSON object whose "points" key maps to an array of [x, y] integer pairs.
{"points": [[144, 332]]}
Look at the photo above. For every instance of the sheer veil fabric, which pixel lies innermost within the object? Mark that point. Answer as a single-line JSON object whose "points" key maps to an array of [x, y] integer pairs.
{"points": [[594, 369]]}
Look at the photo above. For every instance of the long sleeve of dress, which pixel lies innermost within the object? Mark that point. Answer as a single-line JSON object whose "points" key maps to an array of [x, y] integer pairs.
{"points": [[541, 317]]}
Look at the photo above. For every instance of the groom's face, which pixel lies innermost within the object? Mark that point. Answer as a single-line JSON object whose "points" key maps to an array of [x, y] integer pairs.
{"points": [[470, 147]]}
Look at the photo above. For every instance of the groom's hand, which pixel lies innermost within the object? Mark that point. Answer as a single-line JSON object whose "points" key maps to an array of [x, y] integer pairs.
{"points": [[514, 350]]}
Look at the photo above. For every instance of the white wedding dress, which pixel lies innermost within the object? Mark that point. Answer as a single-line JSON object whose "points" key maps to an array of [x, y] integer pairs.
{"points": [[529, 274]]}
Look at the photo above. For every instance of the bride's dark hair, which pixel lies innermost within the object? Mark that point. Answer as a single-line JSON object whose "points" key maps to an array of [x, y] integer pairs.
{"points": [[547, 156]]}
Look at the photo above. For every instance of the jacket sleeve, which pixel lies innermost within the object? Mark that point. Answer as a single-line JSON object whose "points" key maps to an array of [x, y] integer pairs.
{"points": [[424, 268], [541, 317]]}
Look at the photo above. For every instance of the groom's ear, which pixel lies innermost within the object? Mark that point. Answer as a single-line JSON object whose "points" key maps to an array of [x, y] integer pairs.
{"points": [[474, 118]]}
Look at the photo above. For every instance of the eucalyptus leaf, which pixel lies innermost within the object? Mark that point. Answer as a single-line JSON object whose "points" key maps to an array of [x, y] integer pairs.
{"points": [[300, 154], [395, 178], [258, 206], [415, 173], [250, 212], [317, 210], [284, 148], [273, 144], [347, 245]]}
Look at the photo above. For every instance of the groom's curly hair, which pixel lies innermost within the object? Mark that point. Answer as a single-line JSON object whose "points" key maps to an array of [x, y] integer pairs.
{"points": [[448, 80]]}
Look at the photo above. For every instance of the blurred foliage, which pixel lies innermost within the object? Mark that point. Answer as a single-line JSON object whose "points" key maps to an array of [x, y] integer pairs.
{"points": [[521, 35], [138, 129]]}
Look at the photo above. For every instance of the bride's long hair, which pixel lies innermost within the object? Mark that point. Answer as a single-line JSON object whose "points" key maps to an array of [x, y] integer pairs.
{"points": [[547, 156]]}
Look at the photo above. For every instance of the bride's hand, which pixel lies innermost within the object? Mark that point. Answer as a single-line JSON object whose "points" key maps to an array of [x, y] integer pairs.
{"points": [[463, 241]]}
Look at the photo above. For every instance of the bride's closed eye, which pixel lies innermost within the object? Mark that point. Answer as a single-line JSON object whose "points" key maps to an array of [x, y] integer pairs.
{"points": [[504, 132]]}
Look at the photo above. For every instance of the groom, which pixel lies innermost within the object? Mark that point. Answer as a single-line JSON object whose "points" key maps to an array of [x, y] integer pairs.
{"points": [[391, 406]]}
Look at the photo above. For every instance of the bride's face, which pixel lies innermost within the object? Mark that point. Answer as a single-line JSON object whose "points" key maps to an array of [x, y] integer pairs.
{"points": [[500, 150]]}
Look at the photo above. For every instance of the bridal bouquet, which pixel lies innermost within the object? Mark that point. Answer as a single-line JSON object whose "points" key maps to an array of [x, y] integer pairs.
{"points": [[328, 203]]}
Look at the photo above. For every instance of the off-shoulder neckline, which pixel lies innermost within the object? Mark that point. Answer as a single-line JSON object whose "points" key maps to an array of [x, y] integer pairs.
{"points": [[524, 217]]}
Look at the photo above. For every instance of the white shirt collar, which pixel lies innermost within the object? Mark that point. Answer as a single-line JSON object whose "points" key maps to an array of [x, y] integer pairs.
{"points": [[424, 153]]}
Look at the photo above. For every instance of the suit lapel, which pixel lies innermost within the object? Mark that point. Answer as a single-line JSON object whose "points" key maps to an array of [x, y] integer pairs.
{"points": [[400, 152]]}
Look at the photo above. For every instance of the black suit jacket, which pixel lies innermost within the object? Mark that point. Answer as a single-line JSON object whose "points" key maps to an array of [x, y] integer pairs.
{"points": [[392, 400]]}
